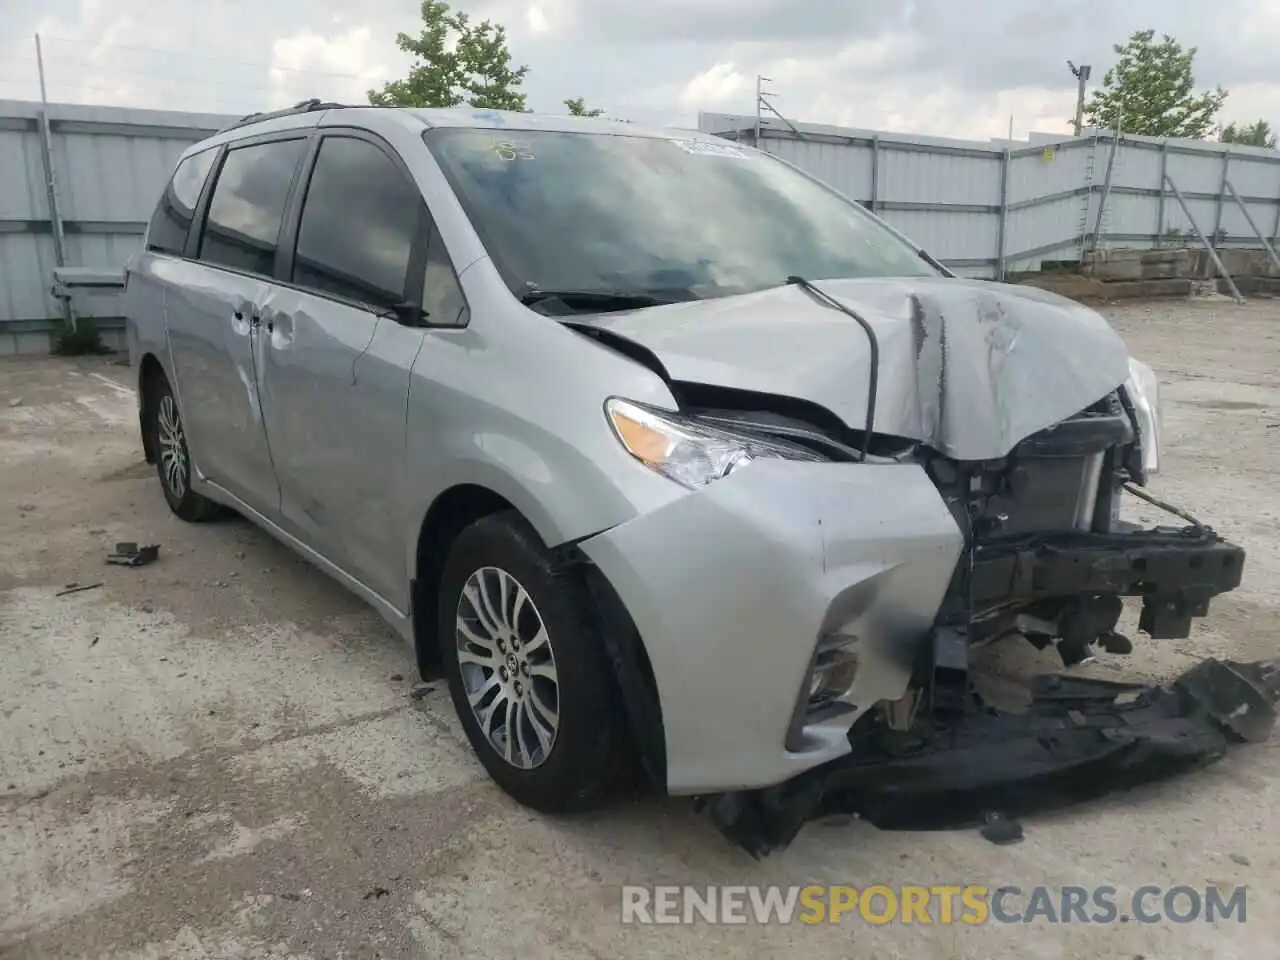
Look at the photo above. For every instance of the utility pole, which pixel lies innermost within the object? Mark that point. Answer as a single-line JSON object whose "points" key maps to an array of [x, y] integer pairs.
{"points": [[44, 98], [760, 105], [51, 181], [1081, 73]]}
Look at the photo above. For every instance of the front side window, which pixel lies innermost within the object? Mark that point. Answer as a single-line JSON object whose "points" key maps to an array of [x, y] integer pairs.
{"points": [[242, 229], [681, 217], [359, 224], [172, 219]]}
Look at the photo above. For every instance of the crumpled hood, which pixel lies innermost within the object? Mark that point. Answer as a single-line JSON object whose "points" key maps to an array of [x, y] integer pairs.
{"points": [[968, 367]]}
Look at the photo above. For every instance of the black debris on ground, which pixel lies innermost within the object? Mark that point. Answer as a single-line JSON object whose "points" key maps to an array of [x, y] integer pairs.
{"points": [[1001, 831], [129, 554], [77, 588]]}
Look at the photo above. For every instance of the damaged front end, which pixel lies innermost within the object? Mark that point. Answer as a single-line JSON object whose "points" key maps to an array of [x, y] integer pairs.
{"points": [[1024, 420], [1047, 558]]}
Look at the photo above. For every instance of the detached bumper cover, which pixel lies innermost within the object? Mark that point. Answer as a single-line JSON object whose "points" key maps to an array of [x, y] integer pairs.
{"points": [[1078, 740]]}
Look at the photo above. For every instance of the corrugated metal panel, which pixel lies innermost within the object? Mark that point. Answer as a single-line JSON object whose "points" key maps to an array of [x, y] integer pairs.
{"points": [[938, 177], [1137, 167], [111, 165], [1034, 228], [26, 274], [1253, 179], [105, 177], [1053, 188], [1195, 174], [22, 191], [949, 236], [1048, 172], [846, 168]]}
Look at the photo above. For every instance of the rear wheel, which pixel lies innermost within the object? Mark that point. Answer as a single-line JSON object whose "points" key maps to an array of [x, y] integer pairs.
{"points": [[527, 670], [173, 459]]}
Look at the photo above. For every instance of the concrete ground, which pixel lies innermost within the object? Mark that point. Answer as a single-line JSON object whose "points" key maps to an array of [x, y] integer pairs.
{"points": [[219, 756]]}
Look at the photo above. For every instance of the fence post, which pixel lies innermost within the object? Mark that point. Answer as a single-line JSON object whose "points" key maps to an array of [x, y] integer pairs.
{"points": [[1164, 171], [1275, 228], [875, 171], [1266, 245], [1116, 136], [51, 184], [1213, 254], [1003, 228], [1222, 195], [55, 215]]}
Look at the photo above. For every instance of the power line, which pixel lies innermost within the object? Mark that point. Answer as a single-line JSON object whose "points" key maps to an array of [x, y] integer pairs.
{"points": [[240, 106], [109, 69], [204, 56]]}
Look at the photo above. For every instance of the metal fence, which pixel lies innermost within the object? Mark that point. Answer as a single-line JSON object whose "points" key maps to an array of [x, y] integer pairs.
{"points": [[108, 166], [990, 209], [78, 184]]}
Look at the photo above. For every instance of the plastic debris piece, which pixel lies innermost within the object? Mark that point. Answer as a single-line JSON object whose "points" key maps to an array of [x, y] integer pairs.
{"points": [[129, 554]]}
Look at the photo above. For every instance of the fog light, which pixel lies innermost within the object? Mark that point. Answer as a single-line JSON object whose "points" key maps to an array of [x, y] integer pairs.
{"points": [[834, 671]]}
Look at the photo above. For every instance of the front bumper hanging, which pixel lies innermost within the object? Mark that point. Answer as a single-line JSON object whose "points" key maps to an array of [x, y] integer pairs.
{"points": [[1078, 738]]}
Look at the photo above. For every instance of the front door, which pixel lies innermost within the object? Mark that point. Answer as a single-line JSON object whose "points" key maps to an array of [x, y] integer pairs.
{"points": [[212, 310], [336, 360]]}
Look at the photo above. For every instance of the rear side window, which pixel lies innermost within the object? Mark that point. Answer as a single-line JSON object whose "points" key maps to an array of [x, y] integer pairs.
{"points": [[242, 229], [359, 224], [172, 219]]}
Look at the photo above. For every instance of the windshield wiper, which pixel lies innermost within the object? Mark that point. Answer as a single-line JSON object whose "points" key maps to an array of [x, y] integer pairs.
{"points": [[933, 262], [602, 300]]}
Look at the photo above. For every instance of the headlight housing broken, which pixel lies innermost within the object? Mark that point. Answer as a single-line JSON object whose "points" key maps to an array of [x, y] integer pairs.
{"points": [[691, 453]]}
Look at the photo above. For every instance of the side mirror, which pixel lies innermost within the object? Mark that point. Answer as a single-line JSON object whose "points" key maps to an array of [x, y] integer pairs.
{"points": [[409, 314]]}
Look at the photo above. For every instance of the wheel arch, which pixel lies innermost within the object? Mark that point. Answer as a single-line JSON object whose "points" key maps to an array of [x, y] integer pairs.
{"points": [[465, 503], [150, 373], [449, 514]]}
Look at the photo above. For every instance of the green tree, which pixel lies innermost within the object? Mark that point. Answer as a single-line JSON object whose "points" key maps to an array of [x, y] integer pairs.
{"points": [[455, 61], [1254, 135], [578, 108], [1151, 91]]}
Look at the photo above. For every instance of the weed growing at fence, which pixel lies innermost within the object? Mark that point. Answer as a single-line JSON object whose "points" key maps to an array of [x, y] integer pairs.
{"points": [[84, 339]]}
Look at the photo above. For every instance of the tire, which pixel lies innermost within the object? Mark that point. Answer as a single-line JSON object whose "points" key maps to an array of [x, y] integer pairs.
{"points": [[589, 755], [173, 459]]}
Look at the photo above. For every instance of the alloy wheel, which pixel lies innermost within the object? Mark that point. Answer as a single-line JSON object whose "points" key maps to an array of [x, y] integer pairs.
{"points": [[508, 668], [173, 446]]}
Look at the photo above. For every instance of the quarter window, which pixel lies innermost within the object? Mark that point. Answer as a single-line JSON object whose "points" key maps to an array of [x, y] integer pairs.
{"points": [[242, 229], [172, 219], [359, 224], [442, 298]]}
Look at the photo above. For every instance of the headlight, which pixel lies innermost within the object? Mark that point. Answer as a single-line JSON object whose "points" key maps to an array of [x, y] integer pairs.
{"points": [[1143, 390], [689, 452]]}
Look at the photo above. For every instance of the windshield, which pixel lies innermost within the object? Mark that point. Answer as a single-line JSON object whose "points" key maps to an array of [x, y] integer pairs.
{"points": [[600, 212]]}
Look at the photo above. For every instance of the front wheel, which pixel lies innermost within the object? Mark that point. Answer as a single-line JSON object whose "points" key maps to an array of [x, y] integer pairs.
{"points": [[173, 459], [528, 672]]}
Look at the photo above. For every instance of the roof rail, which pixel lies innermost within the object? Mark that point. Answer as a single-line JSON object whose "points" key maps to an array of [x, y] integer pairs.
{"points": [[302, 106]]}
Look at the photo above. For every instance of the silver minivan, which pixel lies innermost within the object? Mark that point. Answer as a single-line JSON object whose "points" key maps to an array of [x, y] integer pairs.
{"points": [[672, 459]]}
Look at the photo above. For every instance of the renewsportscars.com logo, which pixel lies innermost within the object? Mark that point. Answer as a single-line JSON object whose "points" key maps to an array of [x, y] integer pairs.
{"points": [[942, 904]]}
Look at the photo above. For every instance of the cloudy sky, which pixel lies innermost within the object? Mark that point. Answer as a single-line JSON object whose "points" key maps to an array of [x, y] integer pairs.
{"points": [[942, 67]]}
